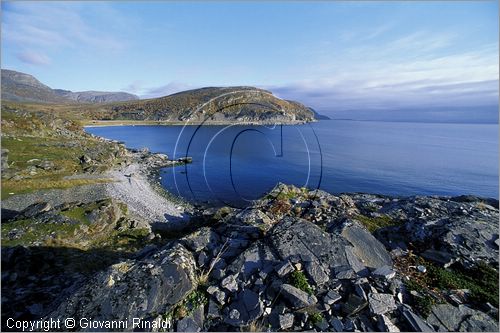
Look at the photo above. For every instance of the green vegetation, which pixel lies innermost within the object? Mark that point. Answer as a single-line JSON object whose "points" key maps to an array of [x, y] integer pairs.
{"points": [[83, 234], [193, 301], [481, 280], [299, 280], [43, 151], [432, 286], [374, 223], [423, 302], [315, 317]]}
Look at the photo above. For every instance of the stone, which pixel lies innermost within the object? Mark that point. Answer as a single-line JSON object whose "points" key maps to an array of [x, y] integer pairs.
{"points": [[355, 263], [256, 258], [354, 304], [218, 294], [141, 287], [386, 325], [316, 272], [230, 283], [286, 321], [249, 307], [34, 210], [213, 310], [416, 323], [442, 258], [188, 324], [381, 303], [332, 297], [202, 239], [366, 247], [421, 269], [337, 325], [297, 298], [284, 269], [322, 325], [446, 317], [385, 272], [358, 289]]}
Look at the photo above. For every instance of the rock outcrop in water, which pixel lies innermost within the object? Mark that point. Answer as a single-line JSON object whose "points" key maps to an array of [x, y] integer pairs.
{"points": [[297, 260]]}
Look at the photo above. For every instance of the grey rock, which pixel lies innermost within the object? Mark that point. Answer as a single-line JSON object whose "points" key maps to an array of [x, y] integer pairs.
{"points": [[134, 288], [297, 298], [354, 304], [442, 258], [34, 210], [416, 323], [386, 325], [249, 307], [421, 268], [188, 324], [385, 272], [257, 258], [213, 310], [331, 297], [284, 269], [218, 294], [337, 325], [202, 239], [322, 325], [320, 251], [230, 283], [355, 263], [286, 320], [446, 317], [316, 272], [367, 248], [381, 303]]}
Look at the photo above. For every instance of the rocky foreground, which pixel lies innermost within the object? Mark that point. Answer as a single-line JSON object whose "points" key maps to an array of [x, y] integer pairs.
{"points": [[296, 260]]}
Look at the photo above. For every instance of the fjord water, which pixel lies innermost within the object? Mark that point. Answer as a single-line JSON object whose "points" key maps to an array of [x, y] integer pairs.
{"points": [[233, 164]]}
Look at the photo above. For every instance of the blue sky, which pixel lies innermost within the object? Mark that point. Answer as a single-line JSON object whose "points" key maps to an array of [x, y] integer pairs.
{"points": [[329, 55]]}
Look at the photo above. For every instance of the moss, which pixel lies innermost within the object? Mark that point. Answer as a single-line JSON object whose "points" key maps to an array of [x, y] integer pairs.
{"points": [[193, 301], [481, 280], [315, 317], [78, 214], [299, 280], [374, 223]]}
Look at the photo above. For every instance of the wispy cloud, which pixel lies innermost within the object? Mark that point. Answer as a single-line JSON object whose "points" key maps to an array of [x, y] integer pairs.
{"points": [[168, 89], [33, 58], [408, 71], [44, 28]]}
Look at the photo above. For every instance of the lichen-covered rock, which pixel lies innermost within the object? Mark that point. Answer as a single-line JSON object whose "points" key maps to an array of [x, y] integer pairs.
{"points": [[134, 288]]}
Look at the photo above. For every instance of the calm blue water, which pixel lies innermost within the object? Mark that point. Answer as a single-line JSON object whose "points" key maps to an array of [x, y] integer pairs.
{"points": [[238, 163]]}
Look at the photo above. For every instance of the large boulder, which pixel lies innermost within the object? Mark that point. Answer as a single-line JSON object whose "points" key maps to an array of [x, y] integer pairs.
{"points": [[133, 289], [449, 318], [367, 248]]}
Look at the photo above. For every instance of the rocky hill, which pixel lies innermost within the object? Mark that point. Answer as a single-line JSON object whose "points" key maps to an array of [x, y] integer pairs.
{"points": [[212, 104], [95, 96], [297, 260], [21, 87]]}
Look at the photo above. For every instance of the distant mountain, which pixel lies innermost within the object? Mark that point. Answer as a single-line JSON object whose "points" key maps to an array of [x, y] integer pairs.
{"points": [[21, 87], [318, 116], [213, 104], [95, 96]]}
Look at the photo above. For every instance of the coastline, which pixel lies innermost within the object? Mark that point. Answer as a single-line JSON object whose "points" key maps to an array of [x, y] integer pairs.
{"points": [[103, 123]]}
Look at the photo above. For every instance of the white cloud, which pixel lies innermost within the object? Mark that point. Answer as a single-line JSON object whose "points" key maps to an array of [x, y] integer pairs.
{"points": [[168, 89], [45, 28], [33, 58]]}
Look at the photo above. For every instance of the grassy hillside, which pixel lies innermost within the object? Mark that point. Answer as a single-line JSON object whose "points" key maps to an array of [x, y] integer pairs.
{"points": [[41, 149]]}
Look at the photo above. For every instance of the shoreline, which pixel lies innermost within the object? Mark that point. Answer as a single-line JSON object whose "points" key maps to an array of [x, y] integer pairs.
{"points": [[104, 123]]}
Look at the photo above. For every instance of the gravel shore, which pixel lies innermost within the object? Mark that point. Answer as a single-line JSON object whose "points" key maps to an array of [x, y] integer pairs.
{"points": [[129, 184]]}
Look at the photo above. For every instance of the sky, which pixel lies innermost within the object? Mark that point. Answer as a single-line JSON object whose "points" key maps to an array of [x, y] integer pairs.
{"points": [[333, 56]]}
